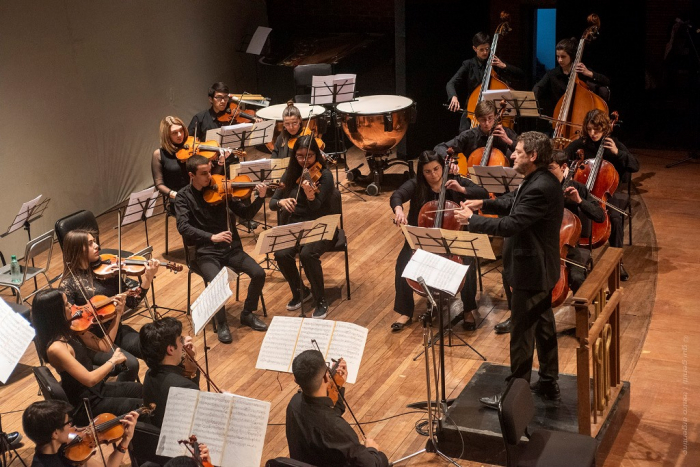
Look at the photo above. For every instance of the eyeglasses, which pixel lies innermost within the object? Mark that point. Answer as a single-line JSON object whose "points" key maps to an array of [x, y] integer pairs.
{"points": [[69, 422], [220, 98]]}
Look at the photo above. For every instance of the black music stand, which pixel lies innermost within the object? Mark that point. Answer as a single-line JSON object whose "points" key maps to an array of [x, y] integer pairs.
{"points": [[295, 236]]}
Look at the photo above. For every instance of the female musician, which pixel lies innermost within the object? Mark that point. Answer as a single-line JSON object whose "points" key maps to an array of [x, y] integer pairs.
{"points": [[596, 127], [67, 353], [169, 175], [300, 201], [426, 187], [80, 254], [553, 85], [291, 119]]}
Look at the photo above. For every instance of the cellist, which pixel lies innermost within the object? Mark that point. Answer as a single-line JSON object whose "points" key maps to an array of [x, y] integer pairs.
{"points": [[596, 127], [471, 73], [426, 187]]}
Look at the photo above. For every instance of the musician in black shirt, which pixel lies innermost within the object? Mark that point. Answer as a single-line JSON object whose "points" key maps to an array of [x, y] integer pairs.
{"points": [[168, 172], [216, 240], [316, 431], [292, 128]]}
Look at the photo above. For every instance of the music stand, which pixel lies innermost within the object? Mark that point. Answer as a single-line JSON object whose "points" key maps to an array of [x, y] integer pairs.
{"points": [[496, 179], [295, 236]]}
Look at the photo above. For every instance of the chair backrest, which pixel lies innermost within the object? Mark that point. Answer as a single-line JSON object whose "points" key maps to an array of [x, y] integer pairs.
{"points": [[142, 449], [303, 75], [78, 220], [336, 204], [37, 246], [285, 462], [514, 413], [51, 389]]}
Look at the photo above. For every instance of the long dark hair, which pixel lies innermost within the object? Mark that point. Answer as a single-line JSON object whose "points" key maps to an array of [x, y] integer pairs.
{"points": [[425, 158], [49, 320], [293, 172]]}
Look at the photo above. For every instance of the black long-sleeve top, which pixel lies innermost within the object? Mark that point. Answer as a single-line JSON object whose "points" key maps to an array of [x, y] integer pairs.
{"points": [[553, 84], [409, 192], [281, 149], [198, 221], [168, 172], [318, 434], [157, 384], [625, 162], [470, 74], [588, 210], [469, 140], [306, 210]]}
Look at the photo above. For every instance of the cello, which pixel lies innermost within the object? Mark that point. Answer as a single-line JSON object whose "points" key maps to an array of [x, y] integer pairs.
{"points": [[490, 79], [578, 99], [488, 155]]}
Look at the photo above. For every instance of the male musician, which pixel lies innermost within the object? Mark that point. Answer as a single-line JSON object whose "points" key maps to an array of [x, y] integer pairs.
{"points": [[210, 228], [316, 431], [471, 139], [471, 73], [49, 425], [578, 200], [163, 348], [530, 224], [597, 127]]}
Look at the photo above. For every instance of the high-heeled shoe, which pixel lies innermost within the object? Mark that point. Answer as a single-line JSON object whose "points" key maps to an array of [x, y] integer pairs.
{"points": [[397, 327]]}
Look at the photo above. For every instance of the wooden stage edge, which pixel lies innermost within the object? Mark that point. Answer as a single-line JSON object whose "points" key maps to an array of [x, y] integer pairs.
{"points": [[660, 351]]}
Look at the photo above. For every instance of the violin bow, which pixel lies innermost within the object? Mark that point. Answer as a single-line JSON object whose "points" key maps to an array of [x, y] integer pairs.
{"points": [[193, 360], [306, 158], [93, 428]]}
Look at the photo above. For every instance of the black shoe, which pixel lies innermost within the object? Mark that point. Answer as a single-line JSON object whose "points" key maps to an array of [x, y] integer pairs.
{"points": [[624, 275], [250, 225], [252, 321], [14, 438], [321, 309], [503, 328], [295, 302], [491, 402], [469, 324], [224, 333], [397, 327], [547, 389]]}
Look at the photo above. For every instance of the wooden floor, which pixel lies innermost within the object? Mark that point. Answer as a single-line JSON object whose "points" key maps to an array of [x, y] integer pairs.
{"points": [[659, 319]]}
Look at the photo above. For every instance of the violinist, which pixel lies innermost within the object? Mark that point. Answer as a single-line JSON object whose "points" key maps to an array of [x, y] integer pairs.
{"points": [[471, 139], [169, 174], [471, 73], [49, 425], [597, 127], [553, 85], [81, 254], [531, 221], [426, 187], [61, 347], [216, 240], [316, 431], [291, 120], [164, 347], [304, 200]]}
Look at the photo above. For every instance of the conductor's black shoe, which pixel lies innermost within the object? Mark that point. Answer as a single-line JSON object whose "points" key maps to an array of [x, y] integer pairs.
{"points": [[14, 438], [547, 389], [224, 333], [624, 275], [503, 328], [295, 302], [321, 309], [491, 402], [252, 321]]}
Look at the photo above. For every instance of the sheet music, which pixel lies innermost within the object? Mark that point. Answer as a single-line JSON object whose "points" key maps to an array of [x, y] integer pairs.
{"points": [[257, 42], [245, 438], [252, 169], [495, 178], [322, 88], [136, 204], [24, 212], [319, 329], [177, 421], [250, 134], [211, 421], [214, 296], [438, 272], [348, 342], [279, 166], [284, 236], [277, 349], [15, 336], [525, 100]]}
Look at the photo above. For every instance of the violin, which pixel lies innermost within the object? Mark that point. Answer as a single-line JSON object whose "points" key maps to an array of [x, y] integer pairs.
{"points": [[131, 266], [306, 131], [108, 429], [238, 188], [82, 317], [236, 111], [569, 235], [193, 446], [209, 149], [488, 155], [312, 175], [334, 386]]}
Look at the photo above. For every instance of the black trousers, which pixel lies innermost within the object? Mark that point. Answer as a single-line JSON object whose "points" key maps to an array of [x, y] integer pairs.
{"points": [[116, 398], [617, 222], [210, 265], [127, 339], [404, 302], [533, 325], [310, 257]]}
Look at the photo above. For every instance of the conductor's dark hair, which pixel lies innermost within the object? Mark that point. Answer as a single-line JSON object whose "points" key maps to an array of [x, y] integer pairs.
{"points": [[194, 162], [155, 337], [569, 46], [218, 87], [308, 368], [42, 418], [540, 143], [481, 38]]}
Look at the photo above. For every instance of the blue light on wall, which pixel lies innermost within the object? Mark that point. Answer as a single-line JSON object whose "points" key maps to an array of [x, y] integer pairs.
{"points": [[546, 28]]}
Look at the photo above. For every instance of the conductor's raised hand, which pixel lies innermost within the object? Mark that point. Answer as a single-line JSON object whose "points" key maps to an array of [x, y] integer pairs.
{"points": [[463, 214], [222, 237]]}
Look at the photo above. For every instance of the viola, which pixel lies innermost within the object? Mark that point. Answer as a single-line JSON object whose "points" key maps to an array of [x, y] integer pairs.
{"points": [[238, 188], [209, 149], [193, 445], [334, 386], [108, 429], [101, 308], [569, 235], [312, 175], [488, 155], [131, 266]]}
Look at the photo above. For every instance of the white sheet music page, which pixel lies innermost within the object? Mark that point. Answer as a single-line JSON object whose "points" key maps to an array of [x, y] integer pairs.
{"points": [[215, 295], [277, 349], [15, 336], [211, 422], [438, 272], [321, 330], [348, 341], [24, 211], [136, 204], [177, 421], [245, 437]]}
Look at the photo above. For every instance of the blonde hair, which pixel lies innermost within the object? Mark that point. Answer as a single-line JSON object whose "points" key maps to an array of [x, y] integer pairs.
{"points": [[165, 126]]}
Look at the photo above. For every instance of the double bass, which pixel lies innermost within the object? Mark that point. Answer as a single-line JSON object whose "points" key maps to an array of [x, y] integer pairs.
{"points": [[578, 100]]}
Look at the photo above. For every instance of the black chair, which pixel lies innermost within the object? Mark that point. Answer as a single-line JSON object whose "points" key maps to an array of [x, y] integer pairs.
{"points": [[82, 220], [49, 386], [544, 448], [142, 450], [285, 462], [302, 79]]}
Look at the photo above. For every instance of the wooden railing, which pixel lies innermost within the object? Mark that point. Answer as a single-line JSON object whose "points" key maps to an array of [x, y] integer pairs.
{"points": [[597, 305]]}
